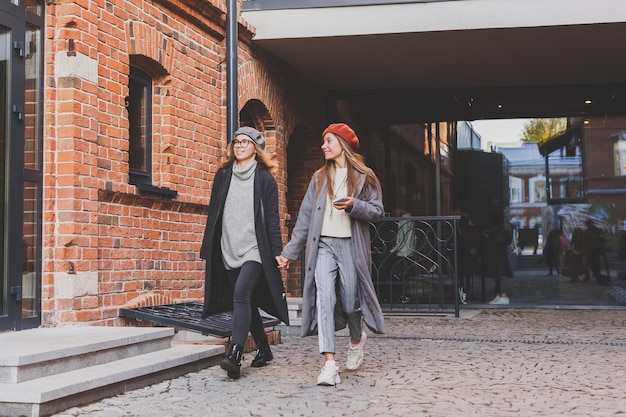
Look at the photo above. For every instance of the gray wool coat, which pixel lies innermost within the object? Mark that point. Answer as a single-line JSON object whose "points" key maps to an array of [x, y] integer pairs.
{"points": [[368, 207]]}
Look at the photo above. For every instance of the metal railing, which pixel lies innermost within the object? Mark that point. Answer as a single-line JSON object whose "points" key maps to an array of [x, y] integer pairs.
{"points": [[414, 264]]}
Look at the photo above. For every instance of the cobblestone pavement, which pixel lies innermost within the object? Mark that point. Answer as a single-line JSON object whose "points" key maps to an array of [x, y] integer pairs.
{"points": [[497, 362]]}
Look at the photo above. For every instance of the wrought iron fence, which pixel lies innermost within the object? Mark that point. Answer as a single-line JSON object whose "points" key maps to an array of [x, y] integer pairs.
{"points": [[414, 264]]}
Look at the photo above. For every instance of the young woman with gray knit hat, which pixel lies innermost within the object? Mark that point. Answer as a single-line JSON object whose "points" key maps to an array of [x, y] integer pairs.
{"points": [[343, 197], [241, 245]]}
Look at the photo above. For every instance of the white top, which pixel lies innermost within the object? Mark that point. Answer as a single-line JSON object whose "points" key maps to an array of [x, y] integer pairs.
{"points": [[337, 222]]}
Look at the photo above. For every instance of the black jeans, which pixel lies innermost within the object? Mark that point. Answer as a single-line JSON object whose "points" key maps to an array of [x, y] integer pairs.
{"points": [[246, 316]]}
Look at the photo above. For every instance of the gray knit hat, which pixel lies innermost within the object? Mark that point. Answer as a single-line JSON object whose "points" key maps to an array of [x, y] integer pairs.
{"points": [[253, 134]]}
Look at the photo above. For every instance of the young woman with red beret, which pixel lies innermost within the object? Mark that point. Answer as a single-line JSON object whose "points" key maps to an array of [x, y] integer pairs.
{"points": [[343, 197]]}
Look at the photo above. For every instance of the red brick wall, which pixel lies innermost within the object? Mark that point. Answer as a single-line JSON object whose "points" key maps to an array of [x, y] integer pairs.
{"points": [[599, 137], [107, 245], [305, 157]]}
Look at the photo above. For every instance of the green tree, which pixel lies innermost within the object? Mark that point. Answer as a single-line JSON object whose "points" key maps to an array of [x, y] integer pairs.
{"points": [[540, 130]]}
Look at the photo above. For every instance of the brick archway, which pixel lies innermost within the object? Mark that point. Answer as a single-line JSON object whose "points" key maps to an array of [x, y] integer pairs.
{"points": [[143, 39]]}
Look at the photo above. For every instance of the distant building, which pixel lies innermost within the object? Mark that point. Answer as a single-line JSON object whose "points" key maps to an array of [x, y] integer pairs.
{"points": [[527, 181], [467, 137]]}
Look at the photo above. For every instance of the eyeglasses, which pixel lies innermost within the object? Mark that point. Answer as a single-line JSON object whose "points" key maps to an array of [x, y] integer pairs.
{"points": [[242, 143]]}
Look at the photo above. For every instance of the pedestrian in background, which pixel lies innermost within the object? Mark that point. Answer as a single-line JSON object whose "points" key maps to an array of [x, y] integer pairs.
{"points": [[593, 251], [574, 256], [552, 251], [469, 242], [496, 256], [342, 198], [241, 245]]}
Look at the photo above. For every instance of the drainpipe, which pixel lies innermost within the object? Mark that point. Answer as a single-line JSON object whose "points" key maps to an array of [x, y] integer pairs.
{"points": [[438, 168], [438, 211], [547, 164], [232, 106]]}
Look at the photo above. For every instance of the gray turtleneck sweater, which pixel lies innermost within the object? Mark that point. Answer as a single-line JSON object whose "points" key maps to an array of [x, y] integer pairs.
{"points": [[238, 240]]}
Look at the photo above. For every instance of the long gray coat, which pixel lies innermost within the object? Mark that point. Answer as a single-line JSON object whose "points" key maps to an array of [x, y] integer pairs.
{"points": [[368, 207]]}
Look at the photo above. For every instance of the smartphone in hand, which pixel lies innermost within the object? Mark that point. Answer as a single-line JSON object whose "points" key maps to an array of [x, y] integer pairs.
{"points": [[339, 200]]}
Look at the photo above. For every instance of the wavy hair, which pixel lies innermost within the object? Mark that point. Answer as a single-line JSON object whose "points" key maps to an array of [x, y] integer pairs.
{"points": [[355, 164]]}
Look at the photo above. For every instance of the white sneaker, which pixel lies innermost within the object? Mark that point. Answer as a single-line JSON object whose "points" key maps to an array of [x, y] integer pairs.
{"points": [[329, 375], [495, 300], [355, 353], [500, 300]]}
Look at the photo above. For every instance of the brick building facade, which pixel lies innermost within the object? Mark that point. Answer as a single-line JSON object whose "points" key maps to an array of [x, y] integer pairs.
{"points": [[603, 144], [107, 243], [119, 124], [110, 241]]}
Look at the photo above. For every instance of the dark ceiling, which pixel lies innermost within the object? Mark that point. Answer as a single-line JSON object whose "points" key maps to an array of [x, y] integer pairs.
{"points": [[540, 71], [406, 105], [564, 55]]}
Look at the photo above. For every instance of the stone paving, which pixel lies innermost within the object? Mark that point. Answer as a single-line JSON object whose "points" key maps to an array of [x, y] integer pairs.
{"points": [[494, 362]]}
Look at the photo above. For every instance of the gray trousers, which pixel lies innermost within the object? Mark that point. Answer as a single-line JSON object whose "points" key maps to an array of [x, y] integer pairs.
{"points": [[335, 260]]}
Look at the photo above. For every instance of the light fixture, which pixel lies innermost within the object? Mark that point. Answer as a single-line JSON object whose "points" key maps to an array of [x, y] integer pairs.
{"points": [[586, 122], [587, 101]]}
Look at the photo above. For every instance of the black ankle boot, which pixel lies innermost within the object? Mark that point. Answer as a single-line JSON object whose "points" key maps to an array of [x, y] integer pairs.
{"points": [[232, 362], [263, 355]]}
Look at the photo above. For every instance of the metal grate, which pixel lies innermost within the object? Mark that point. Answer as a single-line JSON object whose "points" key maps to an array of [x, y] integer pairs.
{"points": [[188, 316]]}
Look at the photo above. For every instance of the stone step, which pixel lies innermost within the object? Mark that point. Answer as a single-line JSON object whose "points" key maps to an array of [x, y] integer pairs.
{"points": [[50, 394], [294, 309], [113, 360], [42, 352]]}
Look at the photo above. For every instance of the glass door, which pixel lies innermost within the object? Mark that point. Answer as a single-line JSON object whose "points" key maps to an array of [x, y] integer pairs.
{"points": [[7, 303], [31, 186], [5, 66], [21, 133]]}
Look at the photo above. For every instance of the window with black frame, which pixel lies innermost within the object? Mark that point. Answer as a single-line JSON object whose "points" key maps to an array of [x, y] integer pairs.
{"points": [[139, 107]]}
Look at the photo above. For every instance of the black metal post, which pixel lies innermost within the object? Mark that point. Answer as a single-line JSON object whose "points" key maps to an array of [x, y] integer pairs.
{"points": [[232, 105], [547, 165], [438, 169]]}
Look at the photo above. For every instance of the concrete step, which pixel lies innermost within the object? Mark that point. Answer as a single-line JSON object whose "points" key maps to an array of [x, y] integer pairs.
{"points": [[294, 309], [100, 362], [48, 351]]}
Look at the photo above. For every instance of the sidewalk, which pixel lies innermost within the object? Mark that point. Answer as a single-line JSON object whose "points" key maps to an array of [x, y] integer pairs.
{"points": [[535, 289], [493, 362], [532, 287]]}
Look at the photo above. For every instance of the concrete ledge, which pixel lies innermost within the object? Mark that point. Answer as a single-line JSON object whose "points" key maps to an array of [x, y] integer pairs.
{"points": [[45, 344], [87, 397], [294, 309], [38, 353], [50, 388]]}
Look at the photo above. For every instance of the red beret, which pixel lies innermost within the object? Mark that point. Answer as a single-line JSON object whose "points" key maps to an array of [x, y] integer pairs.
{"points": [[345, 132]]}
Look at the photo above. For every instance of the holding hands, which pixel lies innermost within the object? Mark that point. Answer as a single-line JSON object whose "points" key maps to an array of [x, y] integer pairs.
{"points": [[283, 263]]}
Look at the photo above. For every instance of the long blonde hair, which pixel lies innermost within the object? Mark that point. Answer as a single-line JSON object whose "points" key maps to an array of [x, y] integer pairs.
{"points": [[355, 164], [261, 157]]}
